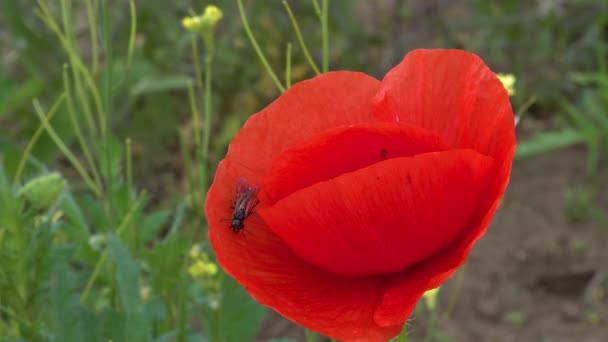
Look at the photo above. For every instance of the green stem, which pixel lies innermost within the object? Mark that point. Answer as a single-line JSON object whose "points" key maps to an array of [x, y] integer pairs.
{"points": [[64, 149], [28, 149], [129, 159], [310, 336], [403, 335], [107, 103], [288, 67], [428, 337], [206, 126], [92, 20], [315, 4], [132, 32], [259, 52], [77, 129], [325, 34], [296, 28]]}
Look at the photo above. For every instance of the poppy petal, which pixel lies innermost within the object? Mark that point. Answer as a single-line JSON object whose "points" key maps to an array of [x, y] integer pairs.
{"points": [[307, 108], [385, 217], [452, 93], [405, 289], [342, 150]]}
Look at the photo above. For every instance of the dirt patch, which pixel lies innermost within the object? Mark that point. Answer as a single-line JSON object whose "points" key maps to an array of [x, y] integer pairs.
{"points": [[536, 276]]}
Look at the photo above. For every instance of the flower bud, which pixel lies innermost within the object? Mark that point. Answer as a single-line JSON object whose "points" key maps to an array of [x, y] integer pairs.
{"points": [[42, 192]]}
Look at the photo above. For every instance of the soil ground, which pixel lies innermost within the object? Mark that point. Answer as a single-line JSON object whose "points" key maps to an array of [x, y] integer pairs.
{"points": [[535, 276]]}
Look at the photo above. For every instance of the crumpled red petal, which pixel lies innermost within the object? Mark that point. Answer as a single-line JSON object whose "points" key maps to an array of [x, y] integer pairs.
{"points": [[341, 150], [383, 218]]}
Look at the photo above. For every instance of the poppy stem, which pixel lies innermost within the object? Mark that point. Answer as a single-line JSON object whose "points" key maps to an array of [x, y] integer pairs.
{"points": [[403, 336], [310, 336]]}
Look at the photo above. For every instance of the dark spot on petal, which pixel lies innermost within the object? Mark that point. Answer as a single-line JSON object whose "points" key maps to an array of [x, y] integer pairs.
{"points": [[409, 179], [383, 154]]}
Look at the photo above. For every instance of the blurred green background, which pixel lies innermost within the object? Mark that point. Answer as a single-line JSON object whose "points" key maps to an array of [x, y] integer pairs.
{"points": [[75, 269]]}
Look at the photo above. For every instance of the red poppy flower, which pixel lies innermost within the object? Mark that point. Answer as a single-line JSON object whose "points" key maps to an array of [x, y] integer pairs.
{"points": [[371, 193]]}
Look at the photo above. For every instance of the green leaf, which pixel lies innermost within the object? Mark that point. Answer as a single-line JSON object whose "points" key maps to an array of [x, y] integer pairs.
{"points": [[71, 321], [76, 226], [137, 320], [547, 142], [152, 223], [160, 84]]}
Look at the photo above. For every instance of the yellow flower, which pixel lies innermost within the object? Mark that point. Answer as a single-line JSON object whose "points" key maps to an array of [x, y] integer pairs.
{"points": [[508, 81], [202, 268], [203, 23], [195, 251]]}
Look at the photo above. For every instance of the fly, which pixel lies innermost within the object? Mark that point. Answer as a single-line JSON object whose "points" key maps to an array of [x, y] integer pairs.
{"points": [[245, 200]]}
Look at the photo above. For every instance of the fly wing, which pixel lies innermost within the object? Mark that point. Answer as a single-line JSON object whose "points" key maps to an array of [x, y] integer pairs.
{"points": [[252, 200], [241, 186]]}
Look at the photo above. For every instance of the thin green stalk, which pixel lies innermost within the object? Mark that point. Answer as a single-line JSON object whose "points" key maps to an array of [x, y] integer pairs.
{"points": [[288, 67], [129, 160], [207, 125], [126, 221], [403, 335], [30, 145], [197, 199], [188, 169], [455, 293], [325, 34], [296, 28], [315, 4], [107, 100], [430, 325], [197, 67], [77, 66], [70, 48], [310, 336], [259, 52], [132, 32], [92, 20], [65, 150], [80, 136]]}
